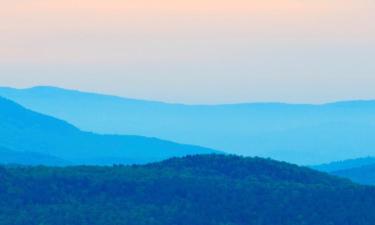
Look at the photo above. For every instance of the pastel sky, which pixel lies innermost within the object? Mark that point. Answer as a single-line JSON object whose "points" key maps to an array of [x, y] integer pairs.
{"points": [[193, 51]]}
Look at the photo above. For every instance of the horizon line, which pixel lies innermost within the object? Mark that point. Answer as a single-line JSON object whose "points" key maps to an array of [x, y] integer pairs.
{"points": [[187, 104]]}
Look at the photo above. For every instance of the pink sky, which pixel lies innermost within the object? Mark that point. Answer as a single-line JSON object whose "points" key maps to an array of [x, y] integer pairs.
{"points": [[231, 44]]}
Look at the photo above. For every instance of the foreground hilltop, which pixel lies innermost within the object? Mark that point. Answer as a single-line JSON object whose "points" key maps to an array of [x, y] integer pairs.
{"points": [[27, 137], [205, 189], [302, 133]]}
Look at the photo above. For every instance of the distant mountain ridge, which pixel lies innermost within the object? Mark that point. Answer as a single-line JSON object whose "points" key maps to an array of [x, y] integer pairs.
{"points": [[24, 132], [345, 164], [361, 170], [10, 157], [299, 133], [361, 175]]}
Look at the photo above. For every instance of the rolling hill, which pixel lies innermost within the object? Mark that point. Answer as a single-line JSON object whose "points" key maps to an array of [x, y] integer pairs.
{"points": [[361, 175], [303, 134], [206, 189], [345, 164], [27, 132], [361, 170]]}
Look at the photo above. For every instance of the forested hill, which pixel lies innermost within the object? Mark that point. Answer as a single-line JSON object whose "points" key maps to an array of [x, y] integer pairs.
{"points": [[23, 131], [199, 190]]}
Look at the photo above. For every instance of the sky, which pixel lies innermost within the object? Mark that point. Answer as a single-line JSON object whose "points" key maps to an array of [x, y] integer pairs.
{"points": [[193, 51]]}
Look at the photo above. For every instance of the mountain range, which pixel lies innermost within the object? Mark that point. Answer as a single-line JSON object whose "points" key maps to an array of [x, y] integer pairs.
{"points": [[299, 133], [27, 137]]}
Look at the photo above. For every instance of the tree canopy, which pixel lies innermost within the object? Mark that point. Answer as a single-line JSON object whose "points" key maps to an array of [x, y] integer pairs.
{"points": [[201, 190]]}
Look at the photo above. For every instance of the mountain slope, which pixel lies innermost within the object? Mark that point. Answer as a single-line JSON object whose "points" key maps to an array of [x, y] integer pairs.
{"points": [[9, 157], [27, 131], [345, 164], [304, 134], [207, 189], [362, 175], [361, 170]]}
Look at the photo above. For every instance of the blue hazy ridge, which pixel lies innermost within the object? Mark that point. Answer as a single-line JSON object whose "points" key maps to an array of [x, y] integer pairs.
{"points": [[298, 133], [26, 133]]}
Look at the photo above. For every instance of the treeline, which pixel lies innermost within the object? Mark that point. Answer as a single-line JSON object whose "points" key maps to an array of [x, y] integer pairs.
{"points": [[195, 190]]}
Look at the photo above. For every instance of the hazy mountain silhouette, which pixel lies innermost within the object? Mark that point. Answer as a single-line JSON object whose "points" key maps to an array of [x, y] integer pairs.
{"points": [[305, 134], [10, 157], [362, 175], [361, 170], [345, 164], [22, 130]]}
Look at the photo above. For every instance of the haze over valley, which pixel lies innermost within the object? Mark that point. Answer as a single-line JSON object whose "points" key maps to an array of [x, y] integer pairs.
{"points": [[299, 133], [188, 112]]}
